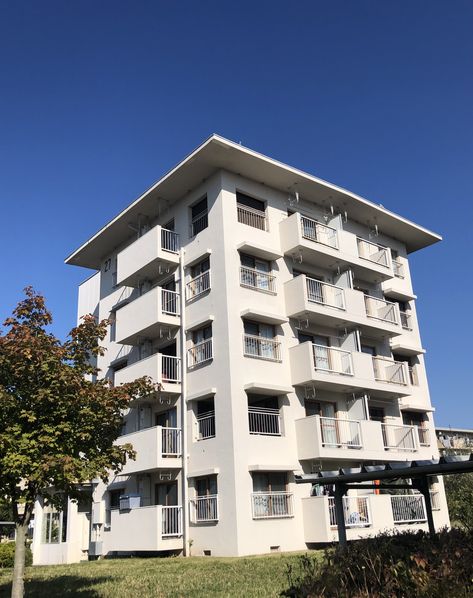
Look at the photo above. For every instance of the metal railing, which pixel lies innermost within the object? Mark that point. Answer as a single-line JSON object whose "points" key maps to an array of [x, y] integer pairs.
{"points": [[398, 268], [199, 223], [124, 351], [272, 505], [261, 347], [319, 233], [264, 421], [408, 508], [413, 377], [125, 297], [204, 508], [206, 425], [330, 359], [198, 285], [252, 217], [172, 521], [171, 442], [200, 353], [372, 252], [170, 302], [341, 433], [399, 437], [170, 369], [388, 370], [406, 320], [169, 240], [356, 510], [380, 309], [255, 279], [324, 293], [424, 436]]}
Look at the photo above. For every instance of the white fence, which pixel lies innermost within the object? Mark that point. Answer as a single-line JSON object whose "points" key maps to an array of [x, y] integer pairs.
{"points": [[356, 511], [320, 233], [169, 240], [272, 505], [380, 309], [252, 217], [170, 302], [372, 252], [399, 438], [200, 353], [255, 279], [408, 508], [264, 421], [388, 370], [172, 521], [206, 425], [330, 359], [170, 368], [199, 223], [204, 508], [198, 285], [171, 442], [324, 293], [261, 348], [345, 433]]}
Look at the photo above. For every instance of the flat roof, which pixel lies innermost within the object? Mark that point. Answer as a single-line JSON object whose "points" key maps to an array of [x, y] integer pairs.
{"points": [[455, 430], [218, 153]]}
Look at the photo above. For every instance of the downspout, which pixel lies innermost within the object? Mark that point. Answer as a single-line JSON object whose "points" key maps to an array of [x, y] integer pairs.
{"points": [[185, 501]]}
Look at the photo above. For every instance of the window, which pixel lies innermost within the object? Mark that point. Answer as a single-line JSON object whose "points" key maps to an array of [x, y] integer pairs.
{"points": [[206, 486], [201, 267], [52, 527], [204, 507], [260, 342], [205, 419], [270, 496], [255, 273], [200, 279], [263, 415], [251, 211], [199, 214]]}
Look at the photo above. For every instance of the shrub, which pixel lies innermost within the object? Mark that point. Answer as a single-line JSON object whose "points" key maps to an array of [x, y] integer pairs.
{"points": [[408, 564], [7, 555]]}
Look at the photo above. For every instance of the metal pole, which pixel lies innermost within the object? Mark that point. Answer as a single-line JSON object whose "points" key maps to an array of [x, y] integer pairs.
{"points": [[185, 491], [340, 490], [423, 486]]}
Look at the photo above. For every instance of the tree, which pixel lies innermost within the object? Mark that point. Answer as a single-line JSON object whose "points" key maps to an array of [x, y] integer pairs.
{"points": [[459, 491], [58, 422]]}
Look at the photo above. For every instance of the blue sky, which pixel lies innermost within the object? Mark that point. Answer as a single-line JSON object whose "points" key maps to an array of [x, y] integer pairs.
{"points": [[99, 99]]}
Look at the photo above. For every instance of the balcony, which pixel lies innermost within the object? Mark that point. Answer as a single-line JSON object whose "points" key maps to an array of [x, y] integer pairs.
{"points": [[261, 348], [252, 217], [331, 305], [390, 371], [156, 448], [264, 421], [198, 286], [152, 528], [200, 353], [356, 510], [327, 247], [272, 505], [204, 509], [257, 280], [157, 248], [164, 370], [359, 440], [146, 316]]}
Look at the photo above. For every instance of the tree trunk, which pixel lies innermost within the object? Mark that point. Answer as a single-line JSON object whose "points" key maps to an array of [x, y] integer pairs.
{"points": [[18, 585]]}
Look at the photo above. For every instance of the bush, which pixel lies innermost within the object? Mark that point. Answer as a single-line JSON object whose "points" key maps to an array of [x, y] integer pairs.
{"points": [[7, 555], [409, 564]]}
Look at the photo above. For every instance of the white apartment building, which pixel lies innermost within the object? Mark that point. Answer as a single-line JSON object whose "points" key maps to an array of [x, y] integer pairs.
{"points": [[276, 313]]}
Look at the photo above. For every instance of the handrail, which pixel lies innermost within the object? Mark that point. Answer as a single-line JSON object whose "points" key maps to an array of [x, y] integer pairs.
{"points": [[379, 256], [394, 373], [204, 508], [169, 240], [172, 521], [198, 285], [255, 279], [356, 511], [320, 233], [325, 293], [332, 359], [340, 433], [170, 302], [380, 309], [264, 421], [206, 425], [272, 505], [408, 508], [261, 347], [200, 353], [252, 217], [399, 437]]}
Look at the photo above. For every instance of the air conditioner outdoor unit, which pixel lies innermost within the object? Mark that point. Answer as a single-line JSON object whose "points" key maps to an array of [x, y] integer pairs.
{"points": [[95, 548]]}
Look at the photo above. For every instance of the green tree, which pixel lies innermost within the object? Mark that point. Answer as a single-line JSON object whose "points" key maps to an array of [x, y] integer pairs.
{"points": [[459, 491], [58, 422]]}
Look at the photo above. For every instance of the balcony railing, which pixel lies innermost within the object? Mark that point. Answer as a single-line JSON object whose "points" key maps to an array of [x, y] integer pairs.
{"points": [[413, 377], [204, 508], [319, 233], [264, 421], [398, 268], [125, 296], [198, 285], [356, 511], [200, 353], [272, 505], [408, 508], [372, 252], [170, 302], [199, 223], [206, 425], [399, 437], [261, 348], [380, 309], [388, 370], [424, 436], [343, 433], [252, 217], [325, 294], [172, 522], [406, 320], [169, 240], [170, 369], [330, 359], [255, 279], [171, 442]]}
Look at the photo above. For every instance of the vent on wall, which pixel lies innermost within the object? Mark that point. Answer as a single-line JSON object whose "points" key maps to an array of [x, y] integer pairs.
{"points": [[207, 553], [274, 549]]}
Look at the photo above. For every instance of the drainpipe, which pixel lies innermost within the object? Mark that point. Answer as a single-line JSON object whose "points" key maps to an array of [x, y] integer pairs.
{"points": [[185, 492]]}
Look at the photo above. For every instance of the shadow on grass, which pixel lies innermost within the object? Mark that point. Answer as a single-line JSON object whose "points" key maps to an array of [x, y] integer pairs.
{"points": [[63, 585]]}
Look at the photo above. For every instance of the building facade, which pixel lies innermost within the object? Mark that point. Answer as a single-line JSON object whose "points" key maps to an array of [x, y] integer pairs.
{"points": [[276, 313], [456, 441]]}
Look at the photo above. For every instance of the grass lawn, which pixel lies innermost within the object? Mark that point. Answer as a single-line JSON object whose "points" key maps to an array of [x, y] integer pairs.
{"points": [[173, 577]]}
